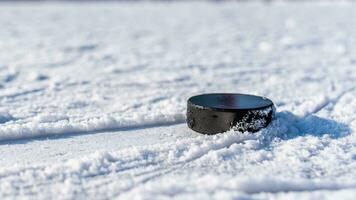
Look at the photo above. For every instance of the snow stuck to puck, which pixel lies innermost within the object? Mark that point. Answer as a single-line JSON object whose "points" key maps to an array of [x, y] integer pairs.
{"points": [[220, 112]]}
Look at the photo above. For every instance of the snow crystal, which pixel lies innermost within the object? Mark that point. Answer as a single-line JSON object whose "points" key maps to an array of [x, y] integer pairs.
{"points": [[5, 117]]}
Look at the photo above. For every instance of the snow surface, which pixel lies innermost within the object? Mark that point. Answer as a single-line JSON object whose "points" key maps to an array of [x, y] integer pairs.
{"points": [[93, 100]]}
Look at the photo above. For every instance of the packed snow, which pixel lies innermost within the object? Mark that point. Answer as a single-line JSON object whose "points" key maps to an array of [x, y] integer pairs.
{"points": [[93, 100]]}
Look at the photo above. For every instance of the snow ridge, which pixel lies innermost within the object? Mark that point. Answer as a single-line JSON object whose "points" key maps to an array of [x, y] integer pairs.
{"points": [[47, 125]]}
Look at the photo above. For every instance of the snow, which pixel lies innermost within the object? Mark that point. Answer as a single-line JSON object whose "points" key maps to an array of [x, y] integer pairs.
{"points": [[93, 100]]}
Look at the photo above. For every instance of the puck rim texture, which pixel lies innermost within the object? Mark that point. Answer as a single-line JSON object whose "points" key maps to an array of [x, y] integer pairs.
{"points": [[207, 119]]}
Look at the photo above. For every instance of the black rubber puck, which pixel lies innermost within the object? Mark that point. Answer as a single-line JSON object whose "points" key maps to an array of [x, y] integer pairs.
{"points": [[220, 112]]}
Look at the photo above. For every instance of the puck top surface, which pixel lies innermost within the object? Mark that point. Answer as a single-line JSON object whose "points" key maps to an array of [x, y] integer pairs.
{"points": [[229, 101]]}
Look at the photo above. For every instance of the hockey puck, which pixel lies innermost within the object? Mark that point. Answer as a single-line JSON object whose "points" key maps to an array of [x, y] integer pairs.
{"points": [[220, 112]]}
